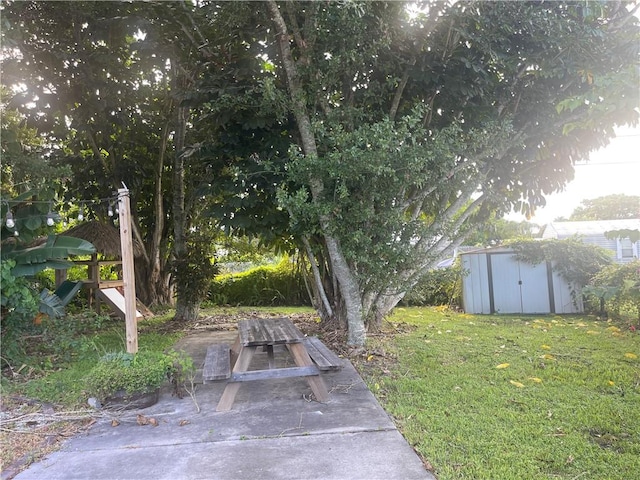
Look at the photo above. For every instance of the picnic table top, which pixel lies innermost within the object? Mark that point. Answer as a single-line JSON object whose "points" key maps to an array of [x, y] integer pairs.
{"points": [[268, 331]]}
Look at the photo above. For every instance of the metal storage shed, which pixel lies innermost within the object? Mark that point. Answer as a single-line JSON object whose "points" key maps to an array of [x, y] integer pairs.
{"points": [[496, 282]]}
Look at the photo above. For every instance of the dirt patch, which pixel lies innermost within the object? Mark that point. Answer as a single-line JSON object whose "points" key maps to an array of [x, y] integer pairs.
{"points": [[31, 429]]}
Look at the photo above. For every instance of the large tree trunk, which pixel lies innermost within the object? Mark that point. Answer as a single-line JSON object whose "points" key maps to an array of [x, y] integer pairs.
{"points": [[347, 282], [187, 306], [151, 279]]}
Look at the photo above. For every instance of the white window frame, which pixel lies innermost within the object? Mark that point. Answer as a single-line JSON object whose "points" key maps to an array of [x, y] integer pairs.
{"points": [[634, 250]]}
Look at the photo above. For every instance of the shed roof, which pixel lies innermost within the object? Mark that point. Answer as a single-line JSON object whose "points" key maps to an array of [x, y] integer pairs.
{"points": [[589, 228]]}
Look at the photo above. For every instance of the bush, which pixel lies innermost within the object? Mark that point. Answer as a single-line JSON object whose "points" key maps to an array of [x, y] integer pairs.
{"points": [[19, 307], [269, 285], [142, 372], [436, 287], [623, 281]]}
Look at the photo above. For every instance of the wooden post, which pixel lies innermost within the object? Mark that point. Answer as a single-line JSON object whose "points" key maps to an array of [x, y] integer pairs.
{"points": [[128, 274]]}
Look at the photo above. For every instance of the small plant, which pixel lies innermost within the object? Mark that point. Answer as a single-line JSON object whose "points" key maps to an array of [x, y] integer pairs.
{"points": [[121, 373], [182, 373], [126, 377]]}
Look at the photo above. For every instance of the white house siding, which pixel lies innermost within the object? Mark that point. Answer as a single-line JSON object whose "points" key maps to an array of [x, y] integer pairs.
{"points": [[593, 232]]}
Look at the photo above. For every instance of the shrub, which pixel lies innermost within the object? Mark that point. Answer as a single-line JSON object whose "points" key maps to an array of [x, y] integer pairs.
{"points": [[623, 281], [19, 307], [115, 372], [436, 287], [268, 285]]}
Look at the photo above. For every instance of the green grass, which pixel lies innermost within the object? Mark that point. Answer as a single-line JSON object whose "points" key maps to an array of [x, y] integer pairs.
{"points": [[494, 397], [58, 363], [60, 353]]}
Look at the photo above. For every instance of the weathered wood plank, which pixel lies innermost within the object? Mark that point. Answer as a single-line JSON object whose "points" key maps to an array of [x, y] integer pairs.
{"points": [[323, 357], [274, 373], [271, 331], [217, 363], [230, 391], [301, 357]]}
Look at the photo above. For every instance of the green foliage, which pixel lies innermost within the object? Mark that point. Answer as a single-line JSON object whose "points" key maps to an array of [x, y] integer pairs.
{"points": [[633, 235], [267, 285], [50, 304], [23, 166], [575, 261], [360, 167], [182, 372], [19, 306], [64, 338], [496, 231], [195, 270], [142, 372], [238, 249], [51, 341], [18, 300], [53, 253], [621, 287], [58, 353], [30, 211], [437, 287], [610, 207]]}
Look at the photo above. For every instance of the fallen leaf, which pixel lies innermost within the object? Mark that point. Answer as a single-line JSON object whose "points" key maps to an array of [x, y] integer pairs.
{"points": [[535, 379], [503, 365], [633, 356], [592, 332], [517, 384], [142, 420], [115, 423], [547, 356], [183, 423], [611, 383], [154, 422], [546, 347], [613, 329]]}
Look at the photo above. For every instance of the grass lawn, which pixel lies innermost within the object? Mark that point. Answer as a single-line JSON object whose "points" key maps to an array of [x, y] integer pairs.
{"points": [[496, 397]]}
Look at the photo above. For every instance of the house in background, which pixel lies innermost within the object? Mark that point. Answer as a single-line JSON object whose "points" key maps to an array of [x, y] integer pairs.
{"points": [[495, 281], [593, 232]]}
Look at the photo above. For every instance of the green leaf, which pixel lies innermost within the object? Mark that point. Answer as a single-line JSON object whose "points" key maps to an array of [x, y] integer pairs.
{"points": [[52, 254]]}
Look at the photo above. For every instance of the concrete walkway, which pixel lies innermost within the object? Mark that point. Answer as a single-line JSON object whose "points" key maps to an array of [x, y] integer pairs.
{"points": [[274, 431]]}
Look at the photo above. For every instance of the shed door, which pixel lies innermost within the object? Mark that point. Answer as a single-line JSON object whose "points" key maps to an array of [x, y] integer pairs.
{"points": [[535, 288], [505, 278], [519, 287]]}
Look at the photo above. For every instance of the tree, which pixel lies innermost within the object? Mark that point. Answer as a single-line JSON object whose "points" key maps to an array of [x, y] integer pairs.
{"points": [[96, 97], [495, 231], [371, 135], [610, 207], [129, 126], [410, 130]]}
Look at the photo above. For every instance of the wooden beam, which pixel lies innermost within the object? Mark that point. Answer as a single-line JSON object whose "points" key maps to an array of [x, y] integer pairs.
{"points": [[128, 274]]}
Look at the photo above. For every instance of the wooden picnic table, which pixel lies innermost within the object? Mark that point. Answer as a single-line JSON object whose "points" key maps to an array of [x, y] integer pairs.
{"points": [[267, 333]]}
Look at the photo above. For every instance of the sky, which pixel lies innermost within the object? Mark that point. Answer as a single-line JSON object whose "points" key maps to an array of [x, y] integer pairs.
{"points": [[611, 170]]}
